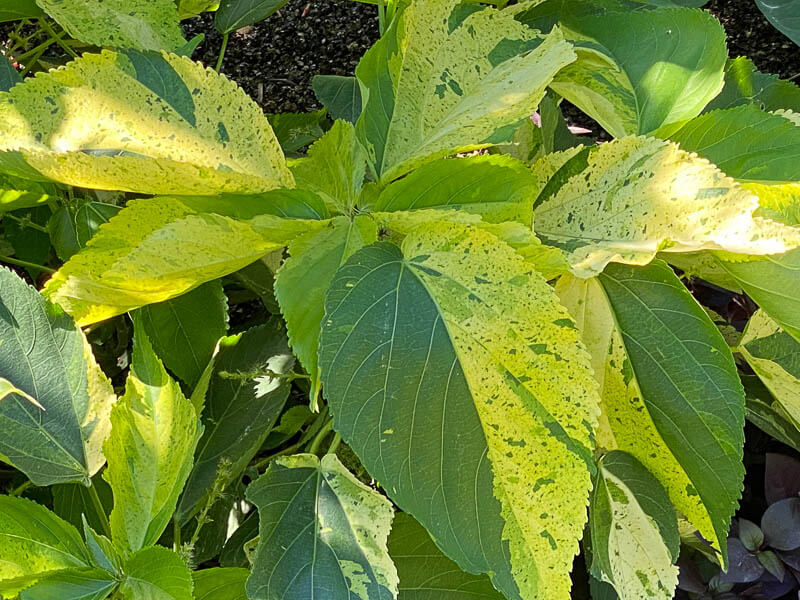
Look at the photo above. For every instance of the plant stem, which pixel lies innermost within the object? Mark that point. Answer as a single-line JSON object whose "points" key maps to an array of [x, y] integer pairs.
{"points": [[25, 263], [26, 222], [381, 16], [337, 439], [49, 31], [176, 535], [101, 512], [222, 51], [20, 489], [323, 433]]}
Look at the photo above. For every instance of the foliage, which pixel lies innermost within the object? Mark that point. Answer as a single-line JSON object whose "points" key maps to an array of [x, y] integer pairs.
{"points": [[421, 343]]}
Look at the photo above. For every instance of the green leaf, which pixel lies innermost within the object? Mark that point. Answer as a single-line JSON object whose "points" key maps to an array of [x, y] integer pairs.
{"points": [[671, 396], [295, 130], [141, 24], [9, 76], [16, 193], [774, 356], [744, 84], [233, 553], [767, 414], [156, 124], [33, 543], [11, 10], [8, 389], [634, 531], [641, 195], [153, 436], [185, 330], [459, 381], [637, 71], [104, 554], [235, 14], [340, 95], [44, 354], [241, 407], [73, 502], [498, 188], [425, 573], [323, 533], [160, 248], [89, 217], [334, 168], [440, 82], [220, 584], [306, 275], [91, 584], [156, 574], [63, 235], [784, 15]]}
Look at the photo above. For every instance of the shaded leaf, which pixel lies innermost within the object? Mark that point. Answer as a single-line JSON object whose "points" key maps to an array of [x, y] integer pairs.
{"points": [[233, 554], [295, 130], [781, 477], [746, 85], [9, 76], [781, 524], [340, 95], [743, 567], [11, 10], [766, 414], [784, 15], [72, 502], [235, 14]]}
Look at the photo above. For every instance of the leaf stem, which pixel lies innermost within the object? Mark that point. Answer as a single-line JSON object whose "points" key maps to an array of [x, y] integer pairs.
{"points": [[101, 512], [381, 16], [337, 439], [20, 489], [222, 51], [26, 222], [176, 535], [49, 31], [321, 435], [25, 263]]}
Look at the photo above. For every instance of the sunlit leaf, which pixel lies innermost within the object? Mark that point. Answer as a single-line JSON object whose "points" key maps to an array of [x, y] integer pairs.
{"points": [[235, 14], [74, 584], [744, 84], [220, 584], [158, 574]]}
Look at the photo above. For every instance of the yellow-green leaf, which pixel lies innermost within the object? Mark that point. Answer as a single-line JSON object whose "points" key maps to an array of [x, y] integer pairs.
{"points": [[149, 123]]}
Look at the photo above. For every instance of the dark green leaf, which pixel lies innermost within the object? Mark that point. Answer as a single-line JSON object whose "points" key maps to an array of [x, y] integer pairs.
{"points": [[9, 76], [72, 502], [90, 216], [784, 15], [63, 234], [90, 584], [295, 130], [340, 95], [233, 554], [32, 245], [766, 414], [746, 85], [11, 10], [235, 14]]}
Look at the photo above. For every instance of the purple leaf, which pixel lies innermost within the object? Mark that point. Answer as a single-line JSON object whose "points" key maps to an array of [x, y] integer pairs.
{"points": [[781, 524], [781, 477], [743, 567]]}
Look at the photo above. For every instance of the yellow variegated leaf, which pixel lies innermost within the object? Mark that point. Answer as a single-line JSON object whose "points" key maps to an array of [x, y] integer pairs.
{"points": [[137, 122], [638, 196]]}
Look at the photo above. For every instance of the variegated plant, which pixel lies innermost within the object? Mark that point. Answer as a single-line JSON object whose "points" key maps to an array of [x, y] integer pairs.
{"points": [[483, 313]]}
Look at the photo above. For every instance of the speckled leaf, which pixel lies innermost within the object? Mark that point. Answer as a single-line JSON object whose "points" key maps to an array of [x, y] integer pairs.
{"points": [[634, 531], [220, 584], [240, 409], [45, 355], [638, 196], [148, 123], [159, 248], [460, 382], [784, 15], [334, 168], [74, 584], [156, 574], [427, 574], [746, 85], [639, 70], [141, 24], [235, 14], [322, 534], [499, 188], [340, 95], [185, 330], [153, 436], [444, 79], [671, 395], [33, 543], [304, 278], [774, 355]]}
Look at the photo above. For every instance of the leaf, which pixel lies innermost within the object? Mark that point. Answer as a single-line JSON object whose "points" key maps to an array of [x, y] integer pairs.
{"points": [[426, 573], [11, 10], [322, 532], [91, 584], [781, 524], [441, 81], [774, 355], [148, 123], [295, 130], [185, 330], [220, 584], [63, 235], [89, 217], [238, 413], [634, 532], [156, 574], [639, 70], [459, 381], [496, 187], [160, 248], [8, 389], [304, 278], [340, 95], [767, 414], [744, 84], [233, 553], [33, 543], [744, 566], [9, 76], [334, 168], [141, 24], [639, 196], [104, 554], [671, 396], [16, 193], [72, 502], [43, 354], [235, 14], [781, 477], [153, 436], [784, 16]]}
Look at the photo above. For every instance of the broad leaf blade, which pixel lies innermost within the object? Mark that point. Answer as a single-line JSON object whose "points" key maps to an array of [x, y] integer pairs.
{"points": [[235, 14], [11, 10], [141, 24], [340, 95], [185, 330], [240, 409], [150, 450], [784, 15], [425, 573], [84, 584], [440, 81], [158, 574], [634, 532], [746, 85], [220, 584], [44, 354], [140, 123], [159, 248], [459, 381], [323, 533]]}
